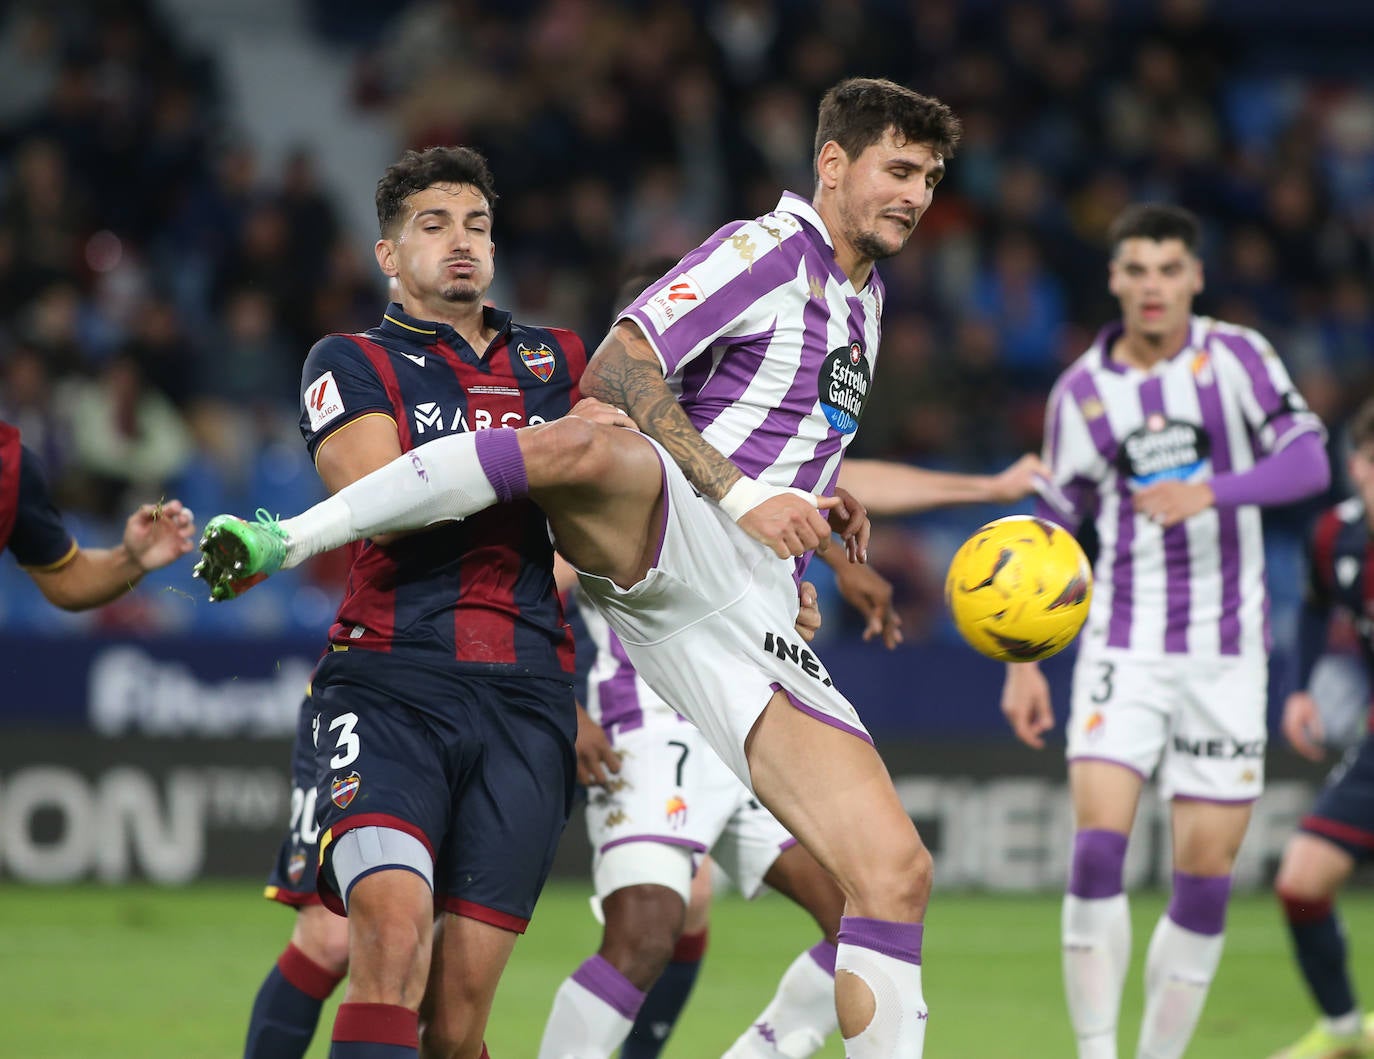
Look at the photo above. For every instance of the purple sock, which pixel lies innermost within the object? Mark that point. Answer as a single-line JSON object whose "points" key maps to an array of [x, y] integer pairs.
{"points": [[1198, 902], [824, 952], [901, 941], [1098, 860], [498, 451], [600, 978]]}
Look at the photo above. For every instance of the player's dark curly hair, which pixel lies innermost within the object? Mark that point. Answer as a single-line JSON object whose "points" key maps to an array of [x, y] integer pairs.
{"points": [[416, 170], [1156, 221], [855, 114]]}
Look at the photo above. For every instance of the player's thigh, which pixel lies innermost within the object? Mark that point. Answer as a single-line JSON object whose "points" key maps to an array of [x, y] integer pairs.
{"points": [[512, 788], [1119, 712], [469, 957], [323, 936], [1105, 795], [1219, 733], [1343, 814], [1207, 835], [842, 806], [607, 521], [1313, 867], [796, 874]]}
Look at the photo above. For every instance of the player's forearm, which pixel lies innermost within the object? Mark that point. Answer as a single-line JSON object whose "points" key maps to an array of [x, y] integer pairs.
{"points": [[1295, 472], [94, 577], [625, 373], [898, 489]]}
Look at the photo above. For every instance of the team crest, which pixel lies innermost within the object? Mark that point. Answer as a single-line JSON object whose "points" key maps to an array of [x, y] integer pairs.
{"points": [[296, 866], [1092, 728], [1091, 408], [541, 361], [676, 811], [344, 789]]}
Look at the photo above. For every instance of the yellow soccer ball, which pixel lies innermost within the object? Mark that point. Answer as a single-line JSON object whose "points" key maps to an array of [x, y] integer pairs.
{"points": [[1019, 589]]}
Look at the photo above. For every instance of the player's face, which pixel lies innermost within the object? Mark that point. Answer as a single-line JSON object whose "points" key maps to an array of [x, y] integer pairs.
{"points": [[1155, 281], [442, 253], [881, 194]]}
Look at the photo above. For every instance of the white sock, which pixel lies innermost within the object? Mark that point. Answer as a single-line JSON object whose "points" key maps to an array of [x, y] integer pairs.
{"points": [[449, 478], [593, 1012], [898, 1027], [1096, 940], [1351, 1024], [801, 1014], [1178, 972]]}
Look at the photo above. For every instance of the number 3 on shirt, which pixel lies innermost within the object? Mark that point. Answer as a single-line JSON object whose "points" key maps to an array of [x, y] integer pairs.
{"points": [[349, 743]]}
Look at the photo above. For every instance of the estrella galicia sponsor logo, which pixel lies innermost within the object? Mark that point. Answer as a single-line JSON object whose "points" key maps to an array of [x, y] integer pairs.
{"points": [[1163, 449], [1227, 749], [798, 656], [844, 386]]}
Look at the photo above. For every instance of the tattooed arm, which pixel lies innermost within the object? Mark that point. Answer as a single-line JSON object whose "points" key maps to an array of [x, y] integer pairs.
{"points": [[626, 373]]}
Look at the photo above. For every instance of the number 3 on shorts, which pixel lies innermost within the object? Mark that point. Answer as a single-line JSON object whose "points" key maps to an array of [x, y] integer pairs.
{"points": [[348, 744], [1100, 694]]}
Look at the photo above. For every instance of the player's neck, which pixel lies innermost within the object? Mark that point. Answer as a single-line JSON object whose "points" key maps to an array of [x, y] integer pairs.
{"points": [[852, 263], [1144, 351], [469, 319]]}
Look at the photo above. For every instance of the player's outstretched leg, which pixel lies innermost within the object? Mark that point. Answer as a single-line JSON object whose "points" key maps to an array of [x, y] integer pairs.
{"points": [[1312, 872], [287, 1007], [1096, 940], [604, 481], [845, 810], [801, 1015]]}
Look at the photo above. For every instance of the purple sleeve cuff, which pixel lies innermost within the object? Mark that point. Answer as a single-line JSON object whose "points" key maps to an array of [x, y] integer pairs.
{"points": [[1298, 470]]}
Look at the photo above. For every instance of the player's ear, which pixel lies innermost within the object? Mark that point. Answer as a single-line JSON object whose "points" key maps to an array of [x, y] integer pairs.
{"points": [[385, 250], [831, 164]]}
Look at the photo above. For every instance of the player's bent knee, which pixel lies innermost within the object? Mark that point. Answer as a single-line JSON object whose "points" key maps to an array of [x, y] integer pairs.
{"points": [[365, 851], [643, 864], [323, 936]]}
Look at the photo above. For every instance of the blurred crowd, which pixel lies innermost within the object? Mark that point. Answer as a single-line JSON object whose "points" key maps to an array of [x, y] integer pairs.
{"points": [[159, 289]]}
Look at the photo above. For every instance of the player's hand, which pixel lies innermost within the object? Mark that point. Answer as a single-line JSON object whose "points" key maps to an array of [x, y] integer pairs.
{"points": [[1026, 703], [789, 524], [849, 519], [1302, 726], [158, 534], [603, 413], [597, 760], [870, 593], [1018, 480], [1168, 503], [808, 621]]}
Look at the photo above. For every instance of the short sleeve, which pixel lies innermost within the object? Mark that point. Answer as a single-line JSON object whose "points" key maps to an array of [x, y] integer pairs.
{"points": [[338, 385], [39, 539], [1071, 454]]}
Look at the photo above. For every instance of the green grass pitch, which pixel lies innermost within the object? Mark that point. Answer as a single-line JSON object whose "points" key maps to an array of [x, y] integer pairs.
{"points": [[143, 973]]}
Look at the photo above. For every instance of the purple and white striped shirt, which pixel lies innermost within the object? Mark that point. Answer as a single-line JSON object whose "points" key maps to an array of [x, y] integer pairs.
{"points": [[767, 345], [618, 698], [1218, 405]]}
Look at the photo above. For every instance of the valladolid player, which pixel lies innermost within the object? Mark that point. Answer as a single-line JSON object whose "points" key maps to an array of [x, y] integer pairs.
{"points": [[1170, 432]]}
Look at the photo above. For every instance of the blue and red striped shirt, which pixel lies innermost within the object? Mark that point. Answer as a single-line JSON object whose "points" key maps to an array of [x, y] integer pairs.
{"points": [[478, 593], [30, 525]]}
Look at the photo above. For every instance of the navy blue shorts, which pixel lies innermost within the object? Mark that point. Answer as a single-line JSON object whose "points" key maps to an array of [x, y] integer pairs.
{"points": [[1344, 813], [292, 879], [478, 767]]}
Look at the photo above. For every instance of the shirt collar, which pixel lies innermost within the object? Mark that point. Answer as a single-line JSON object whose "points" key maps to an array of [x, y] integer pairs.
{"points": [[401, 324], [800, 208]]}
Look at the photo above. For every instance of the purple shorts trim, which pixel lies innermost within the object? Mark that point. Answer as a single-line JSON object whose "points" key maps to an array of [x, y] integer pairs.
{"points": [[1074, 759], [663, 840], [786, 844], [821, 716]]}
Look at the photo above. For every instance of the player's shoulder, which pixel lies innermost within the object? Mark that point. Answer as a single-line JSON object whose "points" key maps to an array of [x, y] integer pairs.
{"points": [[1244, 343], [342, 348], [1080, 372]]}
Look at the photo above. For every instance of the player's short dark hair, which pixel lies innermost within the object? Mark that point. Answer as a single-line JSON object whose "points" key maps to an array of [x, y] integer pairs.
{"points": [[416, 170], [1362, 425], [857, 112], [1156, 221]]}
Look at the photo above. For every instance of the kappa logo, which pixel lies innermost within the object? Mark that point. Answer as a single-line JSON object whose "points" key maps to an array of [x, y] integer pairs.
{"points": [[344, 789], [323, 401], [541, 361]]}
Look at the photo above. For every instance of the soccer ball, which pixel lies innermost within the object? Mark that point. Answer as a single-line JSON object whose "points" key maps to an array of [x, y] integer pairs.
{"points": [[1019, 589]]}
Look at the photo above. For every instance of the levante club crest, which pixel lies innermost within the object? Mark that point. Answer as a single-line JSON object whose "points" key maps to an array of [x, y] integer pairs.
{"points": [[344, 788], [540, 361]]}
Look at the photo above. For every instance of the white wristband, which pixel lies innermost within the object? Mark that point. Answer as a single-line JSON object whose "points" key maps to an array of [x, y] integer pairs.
{"points": [[748, 493]]}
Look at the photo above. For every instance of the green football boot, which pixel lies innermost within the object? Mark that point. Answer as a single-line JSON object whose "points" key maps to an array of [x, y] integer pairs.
{"points": [[236, 555], [1321, 1043]]}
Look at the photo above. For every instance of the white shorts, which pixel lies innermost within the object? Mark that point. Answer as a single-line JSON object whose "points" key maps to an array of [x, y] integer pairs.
{"points": [[1200, 721], [710, 627], [672, 789]]}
